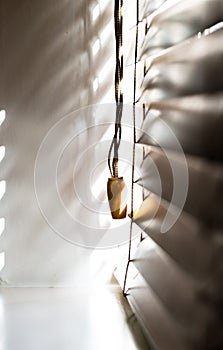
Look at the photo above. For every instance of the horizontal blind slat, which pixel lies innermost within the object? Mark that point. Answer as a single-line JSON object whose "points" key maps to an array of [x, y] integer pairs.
{"points": [[179, 22], [189, 243], [148, 7], [195, 121], [161, 273], [190, 183], [159, 326], [187, 69], [178, 78]]}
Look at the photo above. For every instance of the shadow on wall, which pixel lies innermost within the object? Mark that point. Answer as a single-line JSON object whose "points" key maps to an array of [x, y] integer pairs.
{"points": [[56, 57]]}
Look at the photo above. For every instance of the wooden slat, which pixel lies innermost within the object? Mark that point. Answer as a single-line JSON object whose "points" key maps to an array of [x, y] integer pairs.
{"points": [[148, 7], [186, 241], [162, 331], [165, 174], [186, 69], [188, 302], [196, 122], [177, 291], [179, 22]]}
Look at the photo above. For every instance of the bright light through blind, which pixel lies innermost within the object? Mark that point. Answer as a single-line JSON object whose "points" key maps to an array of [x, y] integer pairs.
{"points": [[2, 116]]}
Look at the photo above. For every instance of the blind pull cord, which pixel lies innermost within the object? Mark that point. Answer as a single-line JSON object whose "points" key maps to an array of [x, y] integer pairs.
{"points": [[118, 21], [116, 185]]}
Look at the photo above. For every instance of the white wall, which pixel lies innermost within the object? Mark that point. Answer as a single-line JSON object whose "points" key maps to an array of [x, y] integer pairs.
{"points": [[47, 70]]}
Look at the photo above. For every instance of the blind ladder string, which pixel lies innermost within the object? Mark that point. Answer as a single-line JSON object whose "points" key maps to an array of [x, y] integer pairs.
{"points": [[133, 149]]}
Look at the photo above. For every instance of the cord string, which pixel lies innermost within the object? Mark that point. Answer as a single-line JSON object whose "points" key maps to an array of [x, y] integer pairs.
{"points": [[115, 144], [133, 149]]}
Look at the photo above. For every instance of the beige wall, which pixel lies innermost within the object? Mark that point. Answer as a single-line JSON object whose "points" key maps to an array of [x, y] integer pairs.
{"points": [[47, 70]]}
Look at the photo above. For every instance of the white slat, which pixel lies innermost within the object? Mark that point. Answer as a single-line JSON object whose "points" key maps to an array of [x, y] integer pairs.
{"points": [[186, 69], [168, 27], [196, 122], [165, 175], [187, 241]]}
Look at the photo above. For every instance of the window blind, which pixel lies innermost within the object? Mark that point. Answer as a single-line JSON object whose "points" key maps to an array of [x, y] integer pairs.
{"points": [[176, 292]]}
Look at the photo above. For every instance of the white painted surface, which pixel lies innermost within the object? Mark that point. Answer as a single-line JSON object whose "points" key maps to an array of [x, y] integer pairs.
{"points": [[68, 319], [47, 70]]}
